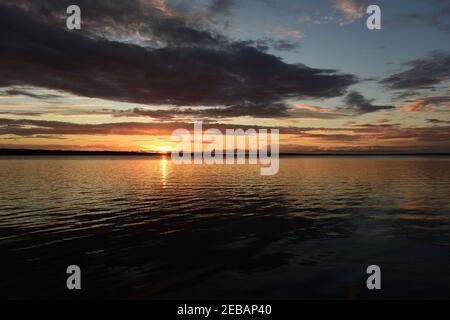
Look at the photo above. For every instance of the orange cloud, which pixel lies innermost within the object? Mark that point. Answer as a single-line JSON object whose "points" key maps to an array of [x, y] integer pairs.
{"points": [[352, 9], [428, 104], [301, 106]]}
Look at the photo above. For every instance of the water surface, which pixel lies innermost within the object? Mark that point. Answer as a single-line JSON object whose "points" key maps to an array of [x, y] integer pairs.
{"points": [[146, 228]]}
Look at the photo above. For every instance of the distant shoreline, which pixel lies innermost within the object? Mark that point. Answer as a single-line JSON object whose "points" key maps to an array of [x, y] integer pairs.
{"points": [[40, 152]]}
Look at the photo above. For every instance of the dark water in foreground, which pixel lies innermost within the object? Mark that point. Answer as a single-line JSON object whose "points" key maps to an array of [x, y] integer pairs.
{"points": [[145, 228]]}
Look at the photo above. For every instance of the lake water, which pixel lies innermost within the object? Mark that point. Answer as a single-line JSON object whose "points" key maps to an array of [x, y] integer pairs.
{"points": [[145, 228]]}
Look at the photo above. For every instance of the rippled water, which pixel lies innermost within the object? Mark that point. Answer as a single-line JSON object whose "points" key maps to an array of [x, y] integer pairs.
{"points": [[146, 228]]}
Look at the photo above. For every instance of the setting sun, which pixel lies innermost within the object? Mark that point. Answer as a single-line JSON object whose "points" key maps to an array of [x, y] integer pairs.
{"points": [[163, 149]]}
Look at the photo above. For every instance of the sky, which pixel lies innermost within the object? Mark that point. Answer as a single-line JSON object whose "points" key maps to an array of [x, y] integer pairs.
{"points": [[139, 69]]}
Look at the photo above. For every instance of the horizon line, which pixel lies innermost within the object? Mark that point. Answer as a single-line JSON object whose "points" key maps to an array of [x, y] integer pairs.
{"points": [[45, 152]]}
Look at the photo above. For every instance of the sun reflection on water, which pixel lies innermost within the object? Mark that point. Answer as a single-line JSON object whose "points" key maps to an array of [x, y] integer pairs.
{"points": [[164, 167]]}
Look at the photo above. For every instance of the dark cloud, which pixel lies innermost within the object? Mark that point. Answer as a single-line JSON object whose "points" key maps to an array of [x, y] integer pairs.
{"points": [[333, 137], [214, 72], [438, 121], [226, 112], [357, 103], [152, 21], [285, 45], [48, 137], [19, 92], [374, 125], [22, 113], [28, 127], [260, 111], [267, 44], [422, 73]]}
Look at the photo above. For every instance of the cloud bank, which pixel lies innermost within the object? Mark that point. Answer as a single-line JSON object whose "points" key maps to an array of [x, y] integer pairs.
{"points": [[184, 66]]}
